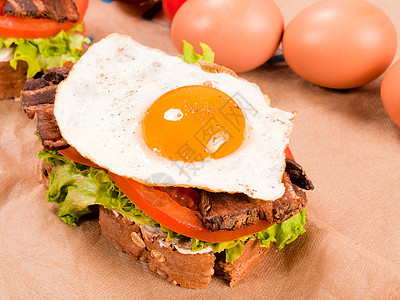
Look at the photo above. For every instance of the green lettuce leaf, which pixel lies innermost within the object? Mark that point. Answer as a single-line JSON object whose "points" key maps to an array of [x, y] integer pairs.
{"points": [[111, 198], [283, 233], [76, 187], [73, 189], [38, 136], [191, 57], [45, 53], [233, 249]]}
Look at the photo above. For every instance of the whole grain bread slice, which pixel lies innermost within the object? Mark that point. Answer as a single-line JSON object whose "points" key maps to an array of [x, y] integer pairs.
{"points": [[164, 258]]}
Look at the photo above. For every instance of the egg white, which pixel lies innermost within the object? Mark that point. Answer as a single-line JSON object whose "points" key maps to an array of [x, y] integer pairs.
{"points": [[100, 106]]}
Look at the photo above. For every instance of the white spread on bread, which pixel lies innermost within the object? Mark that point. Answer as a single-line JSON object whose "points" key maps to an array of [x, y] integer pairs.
{"points": [[184, 247], [6, 54]]}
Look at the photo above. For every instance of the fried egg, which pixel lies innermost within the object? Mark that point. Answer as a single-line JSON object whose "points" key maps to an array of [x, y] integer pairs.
{"points": [[149, 116]]}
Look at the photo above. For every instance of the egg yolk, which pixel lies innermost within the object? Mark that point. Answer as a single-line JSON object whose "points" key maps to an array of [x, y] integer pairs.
{"points": [[192, 123]]}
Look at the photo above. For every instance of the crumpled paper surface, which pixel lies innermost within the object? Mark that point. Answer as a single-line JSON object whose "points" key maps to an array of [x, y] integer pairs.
{"points": [[345, 141]]}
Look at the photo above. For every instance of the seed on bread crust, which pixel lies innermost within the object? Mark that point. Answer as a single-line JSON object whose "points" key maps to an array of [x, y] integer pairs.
{"points": [[147, 235], [143, 259], [137, 240], [161, 273], [157, 255]]}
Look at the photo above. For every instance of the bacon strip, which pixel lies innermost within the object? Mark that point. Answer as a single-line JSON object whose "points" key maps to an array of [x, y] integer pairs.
{"points": [[223, 211], [58, 10], [298, 175], [37, 98]]}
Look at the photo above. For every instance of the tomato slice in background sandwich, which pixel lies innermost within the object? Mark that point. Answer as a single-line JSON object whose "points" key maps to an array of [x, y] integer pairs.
{"points": [[32, 28]]}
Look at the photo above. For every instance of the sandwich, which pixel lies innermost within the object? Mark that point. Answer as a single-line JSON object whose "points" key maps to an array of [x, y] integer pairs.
{"points": [[36, 36], [187, 164]]}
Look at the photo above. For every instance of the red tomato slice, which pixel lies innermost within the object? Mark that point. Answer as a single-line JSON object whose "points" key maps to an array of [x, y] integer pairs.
{"points": [[184, 196], [289, 153], [161, 207], [75, 156], [31, 28]]}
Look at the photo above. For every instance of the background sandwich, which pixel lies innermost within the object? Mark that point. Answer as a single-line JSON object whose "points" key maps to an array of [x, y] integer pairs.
{"points": [[36, 36]]}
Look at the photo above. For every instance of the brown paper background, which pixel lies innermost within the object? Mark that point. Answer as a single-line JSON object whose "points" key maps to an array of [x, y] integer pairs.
{"points": [[345, 141]]}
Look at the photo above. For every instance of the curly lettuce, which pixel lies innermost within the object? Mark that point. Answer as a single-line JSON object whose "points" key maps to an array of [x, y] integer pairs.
{"points": [[77, 187], [192, 57], [43, 54]]}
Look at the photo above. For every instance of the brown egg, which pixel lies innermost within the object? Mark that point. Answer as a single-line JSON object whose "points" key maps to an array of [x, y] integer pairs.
{"points": [[243, 34], [390, 92], [340, 43]]}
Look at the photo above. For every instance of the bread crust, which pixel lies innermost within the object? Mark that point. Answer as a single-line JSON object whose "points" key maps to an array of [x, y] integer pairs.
{"points": [[214, 68], [252, 255], [12, 81], [187, 270]]}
